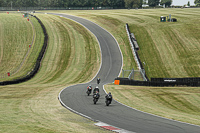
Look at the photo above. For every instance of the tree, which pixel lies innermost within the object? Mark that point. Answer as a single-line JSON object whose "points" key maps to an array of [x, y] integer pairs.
{"points": [[166, 2], [128, 3], [94, 3], [70, 3], [66, 3], [188, 4], [145, 2], [138, 3], [133, 3], [197, 2], [86, 3], [6, 3], [153, 3]]}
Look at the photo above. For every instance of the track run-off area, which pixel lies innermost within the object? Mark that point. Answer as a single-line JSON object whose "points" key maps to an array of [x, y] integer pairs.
{"points": [[121, 116]]}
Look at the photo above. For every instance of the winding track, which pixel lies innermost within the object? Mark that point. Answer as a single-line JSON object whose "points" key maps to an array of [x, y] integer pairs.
{"points": [[74, 97]]}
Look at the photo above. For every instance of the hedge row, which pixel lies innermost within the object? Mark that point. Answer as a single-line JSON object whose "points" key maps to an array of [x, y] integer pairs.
{"points": [[38, 61]]}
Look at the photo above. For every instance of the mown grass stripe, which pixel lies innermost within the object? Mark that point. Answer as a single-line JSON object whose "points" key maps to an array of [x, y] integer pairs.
{"points": [[36, 102], [33, 105]]}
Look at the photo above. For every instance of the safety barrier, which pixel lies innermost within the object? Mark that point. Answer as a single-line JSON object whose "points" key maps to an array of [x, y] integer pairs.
{"points": [[38, 61], [186, 80], [154, 81], [135, 53], [193, 82]]}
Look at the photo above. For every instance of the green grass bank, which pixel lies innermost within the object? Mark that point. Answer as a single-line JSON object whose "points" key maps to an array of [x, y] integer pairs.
{"points": [[33, 106], [168, 50], [164, 47]]}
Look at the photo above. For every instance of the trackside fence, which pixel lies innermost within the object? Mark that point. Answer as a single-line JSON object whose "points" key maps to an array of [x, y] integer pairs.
{"points": [[186, 80], [38, 61], [157, 82], [133, 41], [193, 82]]}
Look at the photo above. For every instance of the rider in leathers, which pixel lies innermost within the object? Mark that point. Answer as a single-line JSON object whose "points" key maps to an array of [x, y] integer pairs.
{"points": [[109, 95], [90, 86], [96, 89]]}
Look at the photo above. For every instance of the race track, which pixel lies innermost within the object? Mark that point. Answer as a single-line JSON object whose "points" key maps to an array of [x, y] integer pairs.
{"points": [[75, 98]]}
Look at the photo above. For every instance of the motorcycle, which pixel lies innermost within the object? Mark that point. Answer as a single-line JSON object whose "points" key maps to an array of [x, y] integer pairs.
{"points": [[89, 90], [108, 100], [96, 97]]}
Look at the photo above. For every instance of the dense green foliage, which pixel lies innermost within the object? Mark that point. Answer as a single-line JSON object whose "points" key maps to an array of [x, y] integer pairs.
{"points": [[166, 2], [61, 3], [197, 2], [86, 3], [153, 2], [82, 3], [133, 3]]}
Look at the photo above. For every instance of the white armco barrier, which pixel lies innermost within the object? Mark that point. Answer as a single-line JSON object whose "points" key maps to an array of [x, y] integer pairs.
{"points": [[135, 56]]}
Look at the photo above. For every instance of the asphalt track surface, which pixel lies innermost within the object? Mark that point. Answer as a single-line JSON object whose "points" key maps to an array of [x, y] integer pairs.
{"points": [[75, 98]]}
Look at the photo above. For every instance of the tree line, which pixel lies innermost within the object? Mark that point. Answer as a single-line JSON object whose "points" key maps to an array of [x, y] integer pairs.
{"points": [[85, 3]]}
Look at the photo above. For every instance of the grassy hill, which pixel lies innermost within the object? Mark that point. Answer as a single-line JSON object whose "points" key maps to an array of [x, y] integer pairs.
{"points": [[16, 34], [33, 106], [168, 49]]}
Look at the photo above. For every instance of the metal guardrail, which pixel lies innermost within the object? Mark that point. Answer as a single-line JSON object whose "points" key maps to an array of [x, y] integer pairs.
{"points": [[135, 56]]}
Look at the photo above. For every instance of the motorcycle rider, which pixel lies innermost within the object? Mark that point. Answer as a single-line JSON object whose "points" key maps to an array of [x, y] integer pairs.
{"points": [[98, 80], [96, 89], [89, 87], [109, 96], [96, 94], [89, 90]]}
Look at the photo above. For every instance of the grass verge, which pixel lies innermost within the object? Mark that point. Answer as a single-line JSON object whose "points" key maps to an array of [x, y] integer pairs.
{"points": [[177, 103], [16, 36], [168, 49], [33, 106]]}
